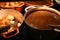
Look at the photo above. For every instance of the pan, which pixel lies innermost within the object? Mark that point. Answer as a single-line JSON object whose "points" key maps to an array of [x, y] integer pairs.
{"points": [[10, 22]]}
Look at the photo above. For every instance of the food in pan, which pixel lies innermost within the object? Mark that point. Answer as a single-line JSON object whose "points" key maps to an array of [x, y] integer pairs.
{"points": [[10, 21], [12, 5], [42, 18]]}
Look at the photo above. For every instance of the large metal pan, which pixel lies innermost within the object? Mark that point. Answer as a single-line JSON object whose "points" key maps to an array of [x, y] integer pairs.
{"points": [[39, 2], [42, 18], [42, 23]]}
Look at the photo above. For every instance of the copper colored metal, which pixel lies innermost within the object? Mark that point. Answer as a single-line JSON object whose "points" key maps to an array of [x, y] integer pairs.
{"points": [[39, 2]]}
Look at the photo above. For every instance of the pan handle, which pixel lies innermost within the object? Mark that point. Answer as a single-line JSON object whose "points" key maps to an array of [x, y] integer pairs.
{"points": [[55, 29], [58, 30], [28, 8], [9, 31]]}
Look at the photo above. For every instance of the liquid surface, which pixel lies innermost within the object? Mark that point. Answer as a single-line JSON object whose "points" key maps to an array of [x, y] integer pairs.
{"points": [[41, 19]]}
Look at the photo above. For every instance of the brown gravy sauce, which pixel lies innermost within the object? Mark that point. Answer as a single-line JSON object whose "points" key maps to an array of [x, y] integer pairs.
{"points": [[41, 19]]}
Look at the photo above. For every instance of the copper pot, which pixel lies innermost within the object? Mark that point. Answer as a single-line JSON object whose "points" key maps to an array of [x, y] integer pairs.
{"points": [[12, 5], [12, 18], [39, 2], [42, 18]]}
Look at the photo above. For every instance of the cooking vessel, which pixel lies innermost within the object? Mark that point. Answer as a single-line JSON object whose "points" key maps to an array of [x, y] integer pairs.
{"points": [[42, 18], [39, 2], [42, 23], [10, 22], [12, 5]]}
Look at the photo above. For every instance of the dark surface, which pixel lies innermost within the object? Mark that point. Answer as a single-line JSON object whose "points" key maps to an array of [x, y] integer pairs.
{"points": [[27, 33], [4, 29]]}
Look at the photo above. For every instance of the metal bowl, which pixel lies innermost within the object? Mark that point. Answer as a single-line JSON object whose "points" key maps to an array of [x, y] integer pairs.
{"points": [[10, 17]]}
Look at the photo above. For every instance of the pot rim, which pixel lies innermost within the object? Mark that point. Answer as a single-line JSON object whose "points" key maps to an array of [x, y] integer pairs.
{"points": [[50, 5], [41, 8]]}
